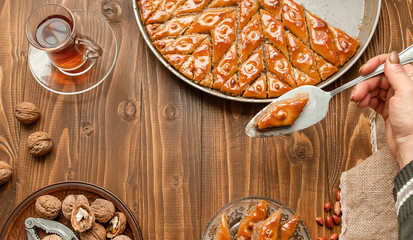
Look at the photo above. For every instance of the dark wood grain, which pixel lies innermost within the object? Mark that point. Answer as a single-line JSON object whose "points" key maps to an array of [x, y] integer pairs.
{"points": [[172, 153]]}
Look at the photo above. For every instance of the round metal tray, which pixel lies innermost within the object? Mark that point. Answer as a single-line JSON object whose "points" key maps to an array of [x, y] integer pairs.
{"points": [[358, 18]]}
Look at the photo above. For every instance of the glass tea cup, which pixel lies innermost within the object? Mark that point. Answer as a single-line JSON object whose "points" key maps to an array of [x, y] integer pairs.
{"points": [[52, 28]]}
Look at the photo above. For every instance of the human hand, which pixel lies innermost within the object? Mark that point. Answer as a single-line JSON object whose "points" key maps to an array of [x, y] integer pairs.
{"points": [[391, 95]]}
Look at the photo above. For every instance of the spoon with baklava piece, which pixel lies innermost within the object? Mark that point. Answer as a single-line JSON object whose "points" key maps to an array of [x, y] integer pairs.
{"points": [[304, 106]]}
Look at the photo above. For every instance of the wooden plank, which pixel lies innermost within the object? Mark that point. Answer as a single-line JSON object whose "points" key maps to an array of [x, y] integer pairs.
{"points": [[170, 155]]}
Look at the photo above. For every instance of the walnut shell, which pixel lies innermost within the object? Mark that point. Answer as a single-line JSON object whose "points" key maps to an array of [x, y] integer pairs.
{"points": [[121, 237], [39, 144], [27, 112], [71, 202], [103, 209], [82, 218], [48, 206], [116, 225], [5, 172], [97, 232], [52, 237]]}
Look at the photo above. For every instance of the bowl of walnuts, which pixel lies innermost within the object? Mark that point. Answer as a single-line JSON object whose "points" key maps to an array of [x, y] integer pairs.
{"points": [[90, 211]]}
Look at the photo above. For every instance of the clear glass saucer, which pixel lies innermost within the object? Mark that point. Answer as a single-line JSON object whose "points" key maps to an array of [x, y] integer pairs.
{"points": [[93, 27], [235, 210]]}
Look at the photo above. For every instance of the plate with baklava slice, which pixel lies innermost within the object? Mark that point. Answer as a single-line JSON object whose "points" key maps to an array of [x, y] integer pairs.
{"points": [[256, 50], [254, 218]]}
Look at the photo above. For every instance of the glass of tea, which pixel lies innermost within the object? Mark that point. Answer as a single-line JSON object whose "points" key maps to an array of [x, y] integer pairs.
{"points": [[52, 28]]}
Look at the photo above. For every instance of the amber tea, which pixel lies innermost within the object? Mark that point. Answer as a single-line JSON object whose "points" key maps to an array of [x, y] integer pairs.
{"points": [[52, 28], [55, 32]]}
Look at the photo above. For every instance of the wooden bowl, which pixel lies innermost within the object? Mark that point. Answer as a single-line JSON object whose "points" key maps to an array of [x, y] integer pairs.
{"points": [[15, 228]]}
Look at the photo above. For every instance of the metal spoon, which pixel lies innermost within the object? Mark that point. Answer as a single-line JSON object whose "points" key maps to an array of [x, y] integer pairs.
{"points": [[318, 103]]}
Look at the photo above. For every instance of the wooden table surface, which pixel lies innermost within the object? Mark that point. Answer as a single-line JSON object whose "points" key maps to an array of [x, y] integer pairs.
{"points": [[172, 153]]}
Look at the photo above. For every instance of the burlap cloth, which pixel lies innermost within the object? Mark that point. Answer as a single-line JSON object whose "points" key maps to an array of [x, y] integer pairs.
{"points": [[367, 203]]}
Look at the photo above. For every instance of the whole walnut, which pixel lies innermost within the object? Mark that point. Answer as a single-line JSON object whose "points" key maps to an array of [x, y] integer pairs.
{"points": [[27, 112], [82, 218], [5, 172], [39, 144], [48, 206], [121, 237], [52, 237], [97, 232], [103, 209], [116, 225], [71, 202]]}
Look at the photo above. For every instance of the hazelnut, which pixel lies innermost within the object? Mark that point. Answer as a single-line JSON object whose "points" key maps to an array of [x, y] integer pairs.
{"points": [[5, 172], [39, 144], [334, 236], [121, 237], [103, 209], [27, 112], [320, 221], [52, 237], [336, 219], [82, 218], [329, 222], [337, 208], [116, 225], [97, 232], [71, 202], [327, 206], [48, 206]]}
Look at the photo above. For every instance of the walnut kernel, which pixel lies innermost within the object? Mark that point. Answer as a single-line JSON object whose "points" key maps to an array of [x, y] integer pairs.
{"points": [[5, 172], [97, 232], [71, 202], [121, 237], [103, 209], [82, 218], [39, 144], [116, 225], [52, 237], [27, 112], [48, 206]]}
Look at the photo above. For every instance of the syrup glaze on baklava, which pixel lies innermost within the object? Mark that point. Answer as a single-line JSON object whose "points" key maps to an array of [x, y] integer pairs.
{"points": [[246, 48]]}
